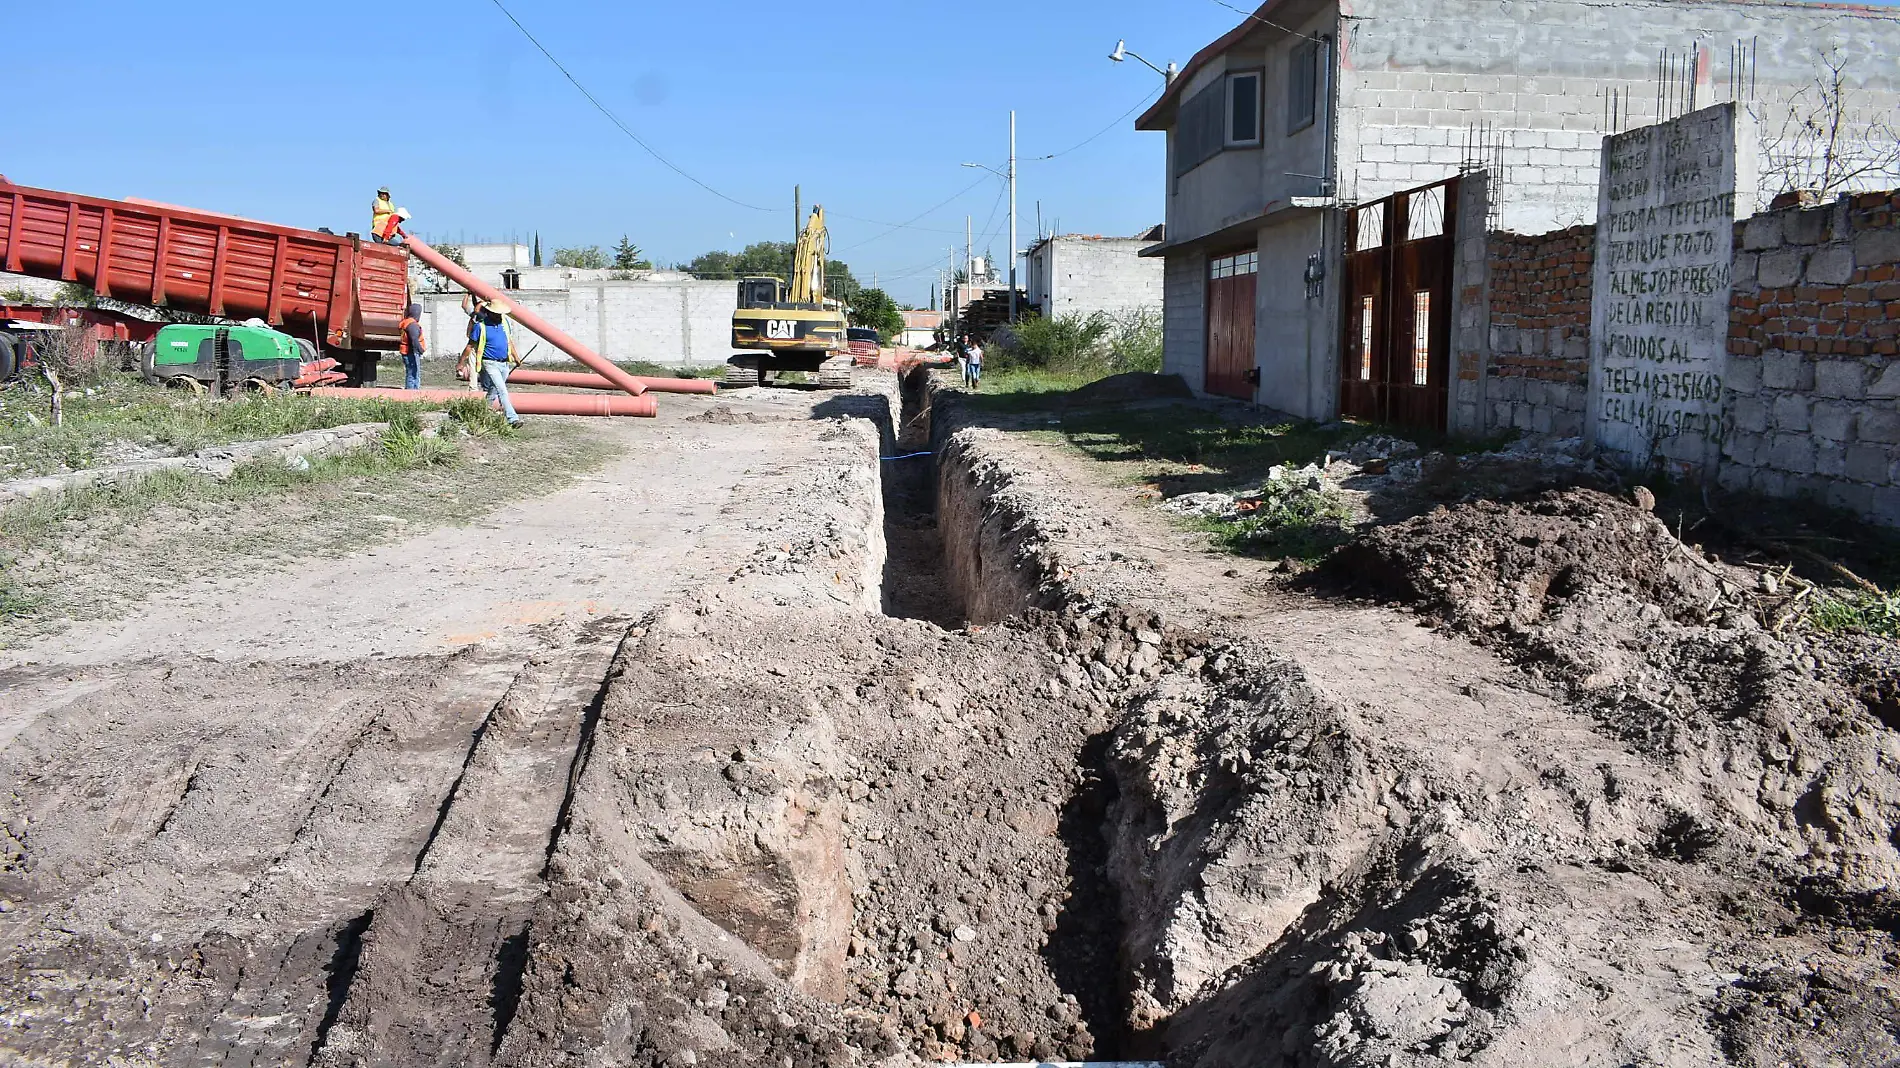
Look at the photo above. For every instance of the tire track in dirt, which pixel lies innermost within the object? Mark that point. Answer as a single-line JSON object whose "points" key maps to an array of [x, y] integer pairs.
{"points": [[440, 964], [194, 905]]}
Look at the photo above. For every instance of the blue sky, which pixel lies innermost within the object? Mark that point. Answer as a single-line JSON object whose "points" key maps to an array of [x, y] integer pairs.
{"points": [[295, 112]]}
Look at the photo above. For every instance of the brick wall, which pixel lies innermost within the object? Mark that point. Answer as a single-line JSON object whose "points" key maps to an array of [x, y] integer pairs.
{"points": [[1538, 373], [1814, 355]]}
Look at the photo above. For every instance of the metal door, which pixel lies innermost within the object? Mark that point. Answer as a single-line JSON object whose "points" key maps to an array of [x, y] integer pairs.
{"points": [[1397, 319], [1231, 288]]}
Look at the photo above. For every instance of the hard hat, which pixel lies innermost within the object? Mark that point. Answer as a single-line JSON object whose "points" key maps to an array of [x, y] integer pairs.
{"points": [[499, 307], [382, 190]]}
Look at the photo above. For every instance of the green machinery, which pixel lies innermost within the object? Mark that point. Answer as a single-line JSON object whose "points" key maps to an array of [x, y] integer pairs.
{"points": [[218, 359]]}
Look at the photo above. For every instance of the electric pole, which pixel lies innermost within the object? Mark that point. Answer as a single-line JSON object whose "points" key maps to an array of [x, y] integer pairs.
{"points": [[1012, 217]]}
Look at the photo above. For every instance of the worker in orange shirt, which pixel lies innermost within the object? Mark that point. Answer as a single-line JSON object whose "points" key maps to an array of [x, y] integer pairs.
{"points": [[412, 347]]}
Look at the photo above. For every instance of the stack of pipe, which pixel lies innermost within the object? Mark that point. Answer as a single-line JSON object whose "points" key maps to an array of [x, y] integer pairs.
{"points": [[610, 376], [525, 403]]}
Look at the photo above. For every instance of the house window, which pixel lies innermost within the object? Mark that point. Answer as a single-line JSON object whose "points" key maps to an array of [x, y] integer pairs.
{"points": [[1243, 108], [1369, 231], [1241, 263], [1302, 88]]}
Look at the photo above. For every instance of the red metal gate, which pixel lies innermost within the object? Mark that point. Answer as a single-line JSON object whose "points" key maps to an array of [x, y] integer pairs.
{"points": [[1230, 323], [1397, 343]]}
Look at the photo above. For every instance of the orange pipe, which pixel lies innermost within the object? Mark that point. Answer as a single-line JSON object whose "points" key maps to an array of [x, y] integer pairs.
{"points": [[547, 331], [526, 376], [525, 403]]}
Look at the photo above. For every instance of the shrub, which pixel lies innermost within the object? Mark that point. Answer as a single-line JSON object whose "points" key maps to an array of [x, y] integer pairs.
{"points": [[1099, 343]]}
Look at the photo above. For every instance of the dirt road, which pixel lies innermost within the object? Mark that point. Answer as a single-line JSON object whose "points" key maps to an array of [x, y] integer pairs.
{"points": [[208, 802], [763, 749]]}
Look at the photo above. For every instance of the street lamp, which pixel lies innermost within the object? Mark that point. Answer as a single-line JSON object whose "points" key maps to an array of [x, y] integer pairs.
{"points": [[1121, 53]]}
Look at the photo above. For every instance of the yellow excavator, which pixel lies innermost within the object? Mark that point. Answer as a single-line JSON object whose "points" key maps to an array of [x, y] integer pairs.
{"points": [[791, 328]]}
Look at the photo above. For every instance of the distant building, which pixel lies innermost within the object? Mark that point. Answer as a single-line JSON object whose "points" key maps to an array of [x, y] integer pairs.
{"points": [[920, 329], [1077, 274]]}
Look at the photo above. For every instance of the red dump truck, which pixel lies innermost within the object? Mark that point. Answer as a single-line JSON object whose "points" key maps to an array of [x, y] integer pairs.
{"points": [[345, 295]]}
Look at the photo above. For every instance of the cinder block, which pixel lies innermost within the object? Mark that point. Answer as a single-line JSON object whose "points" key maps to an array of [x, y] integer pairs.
{"points": [[1744, 375], [1771, 483], [1791, 413], [1888, 384], [1732, 477], [1840, 378], [1850, 497], [1743, 448], [1804, 227], [1751, 414], [1762, 232], [1780, 268], [1886, 506], [1744, 269], [1521, 416], [1831, 266], [1880, 426], [1832, 422], [1877, 247], [1830, 460], [1792, 453], [1786, 370], [1541, 420], [1868, 463]]}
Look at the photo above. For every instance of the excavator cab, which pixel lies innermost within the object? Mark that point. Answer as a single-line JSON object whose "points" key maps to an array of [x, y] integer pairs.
{"points": [[761, 292]]}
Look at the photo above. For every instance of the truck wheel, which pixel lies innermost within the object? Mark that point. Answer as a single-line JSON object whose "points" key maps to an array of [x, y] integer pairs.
{"points": [[9, 361]]}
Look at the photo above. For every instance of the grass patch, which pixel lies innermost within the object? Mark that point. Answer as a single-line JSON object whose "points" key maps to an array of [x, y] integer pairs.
{"points": [[1195, 448], [1857, 612], [1304, 524], [478, 418], [98, 552], [124, 418]]}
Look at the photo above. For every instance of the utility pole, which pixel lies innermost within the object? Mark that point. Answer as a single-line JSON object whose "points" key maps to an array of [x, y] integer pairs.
{"points": [[1012, 217], [798, 211], [969, 252]]}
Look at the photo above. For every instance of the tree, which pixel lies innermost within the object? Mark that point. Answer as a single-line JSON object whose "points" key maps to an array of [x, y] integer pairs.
{"points": [[588, 258], [627, 257], [771, 259], [537, 248], [1824, 140], [875, 308]]}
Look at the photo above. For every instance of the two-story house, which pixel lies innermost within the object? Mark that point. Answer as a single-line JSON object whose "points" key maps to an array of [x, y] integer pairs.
{"points": [[1285, 134]]}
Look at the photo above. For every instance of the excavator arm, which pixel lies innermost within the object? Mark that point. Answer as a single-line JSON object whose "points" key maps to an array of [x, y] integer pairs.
{"points": [[808, 260]]}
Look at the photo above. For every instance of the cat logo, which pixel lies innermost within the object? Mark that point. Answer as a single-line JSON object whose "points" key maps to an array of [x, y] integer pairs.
{"points": [[781, 329]]}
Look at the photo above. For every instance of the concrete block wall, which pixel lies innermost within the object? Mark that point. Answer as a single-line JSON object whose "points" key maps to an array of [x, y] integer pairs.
{"points": [[1084, 275], [1813, 383], [1468, 408], [1529, 80], [674, 323], [1184, 319], [1538, 371]]}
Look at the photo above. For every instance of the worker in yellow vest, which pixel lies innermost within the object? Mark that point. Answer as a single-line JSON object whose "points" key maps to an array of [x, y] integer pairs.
{"points": [[384, 225]]}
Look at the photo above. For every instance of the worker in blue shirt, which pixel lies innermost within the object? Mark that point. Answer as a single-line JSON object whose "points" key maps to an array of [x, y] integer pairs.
{"points": [[489, 335]]}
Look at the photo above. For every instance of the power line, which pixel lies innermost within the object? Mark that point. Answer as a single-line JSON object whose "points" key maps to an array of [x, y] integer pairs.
{"points": [[1100, 133], [615, 119], [914, 218], [1255, 16]]}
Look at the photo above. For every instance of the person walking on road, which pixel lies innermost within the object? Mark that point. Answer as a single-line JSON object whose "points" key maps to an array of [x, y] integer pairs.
{"points": [[412, 347], [973, 366], [488, 335]]}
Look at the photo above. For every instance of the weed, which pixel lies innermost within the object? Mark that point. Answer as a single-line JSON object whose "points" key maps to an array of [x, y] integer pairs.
{"points": [[478, 418], [123, 418], [1861, 611], [1302, 523]]}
